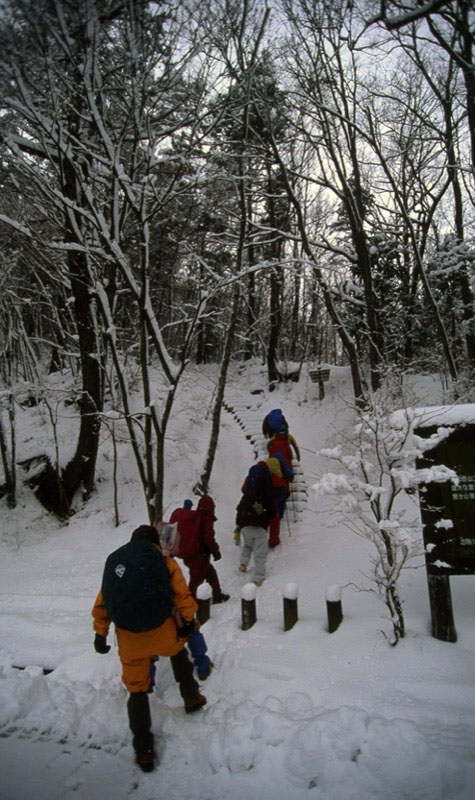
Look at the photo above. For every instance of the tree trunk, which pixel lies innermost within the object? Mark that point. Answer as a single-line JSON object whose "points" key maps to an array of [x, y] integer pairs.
{"points": [[273, 375], [202, 485], [461, 276], [276, 289], [81, 469], [251, 290], [8, 487]]}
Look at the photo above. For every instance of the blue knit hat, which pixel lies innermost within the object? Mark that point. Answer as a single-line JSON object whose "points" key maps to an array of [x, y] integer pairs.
{"points": [[188, 504]]}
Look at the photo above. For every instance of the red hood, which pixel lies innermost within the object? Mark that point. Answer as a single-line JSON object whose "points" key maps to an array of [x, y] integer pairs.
{"points": [[206, 505]]}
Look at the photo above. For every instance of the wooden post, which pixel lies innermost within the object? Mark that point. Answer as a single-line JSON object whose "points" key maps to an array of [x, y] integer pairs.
{"points": [[203, 612], [443, 625], [334, 610], [203, 598], [290, 606], [248, 606]]}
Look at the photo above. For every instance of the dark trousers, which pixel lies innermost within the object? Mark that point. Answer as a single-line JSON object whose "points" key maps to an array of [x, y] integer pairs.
{"points": [[138, 709], [138, 706], [202, 570], [183, 671]]}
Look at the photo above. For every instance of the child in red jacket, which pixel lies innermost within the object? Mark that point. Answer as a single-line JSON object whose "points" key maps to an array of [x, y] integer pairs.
{"points": [[281, 476]]}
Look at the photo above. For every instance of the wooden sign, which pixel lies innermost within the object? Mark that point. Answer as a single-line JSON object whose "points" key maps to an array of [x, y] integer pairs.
{"points": [[448, 510]]}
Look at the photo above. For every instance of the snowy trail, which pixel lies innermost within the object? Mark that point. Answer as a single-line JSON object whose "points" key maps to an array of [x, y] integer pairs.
{"points": [[301, 714], [248, 414]]}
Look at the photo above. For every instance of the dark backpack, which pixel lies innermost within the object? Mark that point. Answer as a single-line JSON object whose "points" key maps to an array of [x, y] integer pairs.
{"points": [[136, 587], [252, 511], [256, 505], [258, 482]]}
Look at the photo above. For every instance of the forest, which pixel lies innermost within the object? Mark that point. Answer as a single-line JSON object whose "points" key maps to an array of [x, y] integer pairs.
{"points": [[215, 181]]}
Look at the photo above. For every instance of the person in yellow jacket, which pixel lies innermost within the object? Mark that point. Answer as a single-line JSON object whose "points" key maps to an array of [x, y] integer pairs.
{"points": [[138, 652]]}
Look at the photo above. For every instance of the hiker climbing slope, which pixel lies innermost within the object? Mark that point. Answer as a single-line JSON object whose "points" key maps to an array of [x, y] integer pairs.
{"points": [[281, 476], [276, 429], [140, 589], [198, 544], [253, 512], [169, 543]]}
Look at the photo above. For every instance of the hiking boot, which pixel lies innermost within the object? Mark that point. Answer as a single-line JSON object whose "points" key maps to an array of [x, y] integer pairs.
{"points": [[145, 759], [274, 544], [194, 703], [242, 568], [138, 709], [221, 598], [203, 675]]}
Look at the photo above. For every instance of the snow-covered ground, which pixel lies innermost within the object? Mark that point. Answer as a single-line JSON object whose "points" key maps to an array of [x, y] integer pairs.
{"points": [[297, 714]]}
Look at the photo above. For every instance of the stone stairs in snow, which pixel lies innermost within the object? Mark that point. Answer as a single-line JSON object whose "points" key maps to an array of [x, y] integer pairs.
{"points": [[247, 413]]}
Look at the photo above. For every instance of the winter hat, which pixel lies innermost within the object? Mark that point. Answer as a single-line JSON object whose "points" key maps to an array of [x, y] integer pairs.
{"points": [[206, 506], [145, 532], [275, 419], [188, 504]]}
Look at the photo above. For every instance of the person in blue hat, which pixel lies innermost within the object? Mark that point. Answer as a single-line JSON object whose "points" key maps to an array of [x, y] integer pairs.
{"points": [[168, 535]]}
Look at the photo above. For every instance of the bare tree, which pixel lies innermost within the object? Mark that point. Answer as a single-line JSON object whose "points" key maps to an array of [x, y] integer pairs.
{"points": [[374, 152], [378, 467], [251, 111], [442, 74], [89, 124], [451, 25]]}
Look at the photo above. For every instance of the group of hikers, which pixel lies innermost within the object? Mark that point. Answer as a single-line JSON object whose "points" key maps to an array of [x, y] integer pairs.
{"points": [[145, 594]]}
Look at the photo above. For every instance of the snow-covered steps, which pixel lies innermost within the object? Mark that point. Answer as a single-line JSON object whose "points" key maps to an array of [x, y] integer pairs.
{"points": [[298, 491], [249, 416]]}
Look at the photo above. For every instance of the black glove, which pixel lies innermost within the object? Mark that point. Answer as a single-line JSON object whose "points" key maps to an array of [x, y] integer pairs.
{"points": [[217, 554], [186, 629], [100, 644]]}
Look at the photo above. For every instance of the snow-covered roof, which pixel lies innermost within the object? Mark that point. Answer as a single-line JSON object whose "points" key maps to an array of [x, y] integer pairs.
{"points": [[431, 416]]}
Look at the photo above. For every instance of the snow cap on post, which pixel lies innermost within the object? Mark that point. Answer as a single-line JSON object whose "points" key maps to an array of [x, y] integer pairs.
{"points": [[291, 591], [249, 591], [333, 593], [203, 591]]}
